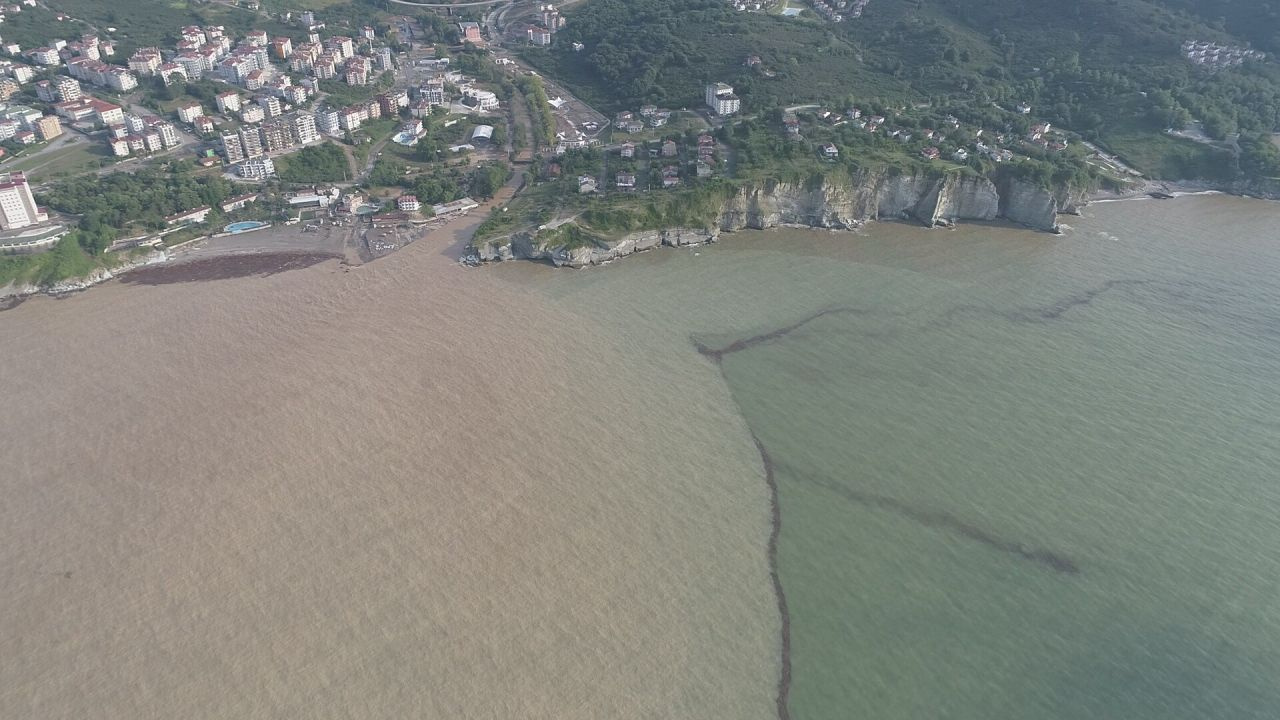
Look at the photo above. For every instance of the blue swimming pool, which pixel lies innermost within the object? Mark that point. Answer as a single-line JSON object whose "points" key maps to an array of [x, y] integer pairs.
{"points": [[244, 226]]}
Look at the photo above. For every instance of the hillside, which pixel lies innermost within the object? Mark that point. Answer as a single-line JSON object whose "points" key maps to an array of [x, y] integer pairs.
{"points": [[1111, 70]]}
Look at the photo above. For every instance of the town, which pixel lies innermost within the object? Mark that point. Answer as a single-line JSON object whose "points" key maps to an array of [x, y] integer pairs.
{"points": [[306, 121]]}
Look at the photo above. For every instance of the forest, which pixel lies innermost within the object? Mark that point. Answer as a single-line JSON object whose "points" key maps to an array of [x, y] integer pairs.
{"points": [[141, 199], [1110, 70]]}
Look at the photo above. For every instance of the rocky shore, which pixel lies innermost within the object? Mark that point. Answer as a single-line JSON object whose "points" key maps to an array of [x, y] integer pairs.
{"points": [[13, 293], [931, 199]]}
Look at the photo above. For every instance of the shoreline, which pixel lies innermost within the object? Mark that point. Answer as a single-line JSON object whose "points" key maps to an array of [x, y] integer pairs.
{"points": [[195, 261], [261, 259]]}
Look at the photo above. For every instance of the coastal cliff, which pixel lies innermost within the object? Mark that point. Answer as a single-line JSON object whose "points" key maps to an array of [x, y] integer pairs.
{"points": [[843, 203], [15, 290]]}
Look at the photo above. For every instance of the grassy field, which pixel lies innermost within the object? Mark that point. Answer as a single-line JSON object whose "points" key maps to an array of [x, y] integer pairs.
{"points": [[71, 159], [1163, 156], [65, 260]]}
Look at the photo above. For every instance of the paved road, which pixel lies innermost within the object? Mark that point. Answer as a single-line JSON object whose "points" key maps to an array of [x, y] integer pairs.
{"points": [[448, 5]]}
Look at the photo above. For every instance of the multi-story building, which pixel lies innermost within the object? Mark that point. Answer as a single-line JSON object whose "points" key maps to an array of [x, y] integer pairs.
{"points": [[539, 36], [121, 80], [135, 124], [282, 48], [251, 139], [152, 141], [9, 128], [232, 149], [191, 63], [168, 133], [551, 17], [270, 105], [65, 88], [324, 67], [341, 46], [189, 112], [470, 31], [24, 115], [277, 135], [356, 71], [45, 56], [22, 73], [327, 121], [295, 94], [256, 38], [304, 128], [145, 61], [17, 206], [350, 118], [253, 114], [257, 168], [106, 113], [47, 127], [228, 102], [193, 34], [171, 73], [9, 88], [721, 100], [483, 99], [383, 57]]}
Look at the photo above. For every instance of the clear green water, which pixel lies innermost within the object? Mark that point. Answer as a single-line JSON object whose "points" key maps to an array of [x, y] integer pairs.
{"points": [[1019, 476]]}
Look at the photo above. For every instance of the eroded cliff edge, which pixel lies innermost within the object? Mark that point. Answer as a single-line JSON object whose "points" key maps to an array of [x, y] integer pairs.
{"points": [[823, 202]]}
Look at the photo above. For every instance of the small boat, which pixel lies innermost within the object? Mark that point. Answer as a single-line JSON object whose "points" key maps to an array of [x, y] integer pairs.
{"points": [[1160, 195]]}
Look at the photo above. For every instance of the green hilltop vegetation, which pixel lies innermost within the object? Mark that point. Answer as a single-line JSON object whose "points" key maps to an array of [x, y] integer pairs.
{"points": [[1110, 70]]}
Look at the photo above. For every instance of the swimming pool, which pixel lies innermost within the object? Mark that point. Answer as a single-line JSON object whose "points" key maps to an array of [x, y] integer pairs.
{"points": [[244, 226]]}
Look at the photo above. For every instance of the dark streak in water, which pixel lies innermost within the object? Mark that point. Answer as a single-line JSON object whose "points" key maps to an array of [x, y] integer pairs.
{"points": [[937, 519], [1053, 311], [784, 681], [943, 520], [746, 343]]}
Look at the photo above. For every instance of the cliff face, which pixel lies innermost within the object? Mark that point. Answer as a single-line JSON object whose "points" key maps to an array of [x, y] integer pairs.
{"points": [[526, 246], [933, 199]]}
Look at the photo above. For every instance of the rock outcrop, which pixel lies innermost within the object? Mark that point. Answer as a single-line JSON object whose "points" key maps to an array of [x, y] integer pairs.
{"points": [[527, 246], [836, 203]]}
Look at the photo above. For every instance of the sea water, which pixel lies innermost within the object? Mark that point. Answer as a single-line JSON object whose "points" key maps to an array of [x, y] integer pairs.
{"points": [[974, 473], [1018, 475]]}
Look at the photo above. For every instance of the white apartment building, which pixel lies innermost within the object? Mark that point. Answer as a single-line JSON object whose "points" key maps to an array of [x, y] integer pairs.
{"points": [[17, 206], [257, 168], [304, 128], [721, 100], [228, 102]]}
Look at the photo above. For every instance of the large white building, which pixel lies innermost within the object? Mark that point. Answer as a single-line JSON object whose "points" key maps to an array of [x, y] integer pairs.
{"points": [[721, 100], [257, 168], [483, 99], [17, 206], [304, 128], [228, 102]]}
